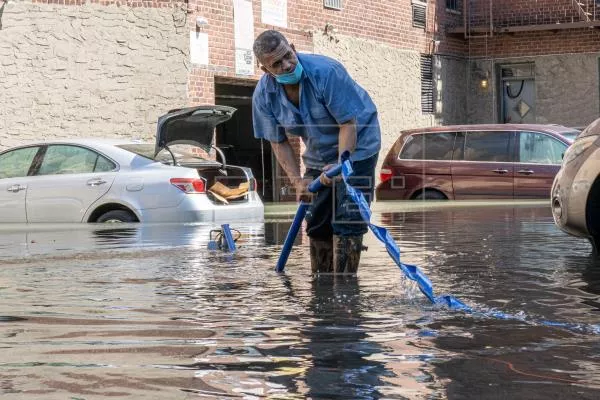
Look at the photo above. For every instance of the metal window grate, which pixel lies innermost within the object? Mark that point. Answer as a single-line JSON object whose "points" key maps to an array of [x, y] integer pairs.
{"points": [[427, 84], [419, 14], [335, 4]]}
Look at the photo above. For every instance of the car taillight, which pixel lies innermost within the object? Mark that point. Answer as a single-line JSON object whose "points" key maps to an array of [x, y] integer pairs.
{"points": [[189, 185], [385, 174]]}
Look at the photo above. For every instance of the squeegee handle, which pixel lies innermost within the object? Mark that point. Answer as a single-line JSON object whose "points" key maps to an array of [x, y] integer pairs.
{"points": [[291, 236]]}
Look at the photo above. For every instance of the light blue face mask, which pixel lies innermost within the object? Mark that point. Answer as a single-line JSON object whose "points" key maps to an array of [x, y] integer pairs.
{"points": [[291, 78]]}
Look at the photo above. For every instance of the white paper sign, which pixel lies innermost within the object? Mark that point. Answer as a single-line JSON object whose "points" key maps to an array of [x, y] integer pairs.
{"points": [[244, 62], [199, 48], [274, 12], [243, 21]]}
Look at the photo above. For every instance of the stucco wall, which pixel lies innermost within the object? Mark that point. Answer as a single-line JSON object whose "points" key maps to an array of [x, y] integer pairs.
{"points": [[481, 103], [450, 75], [89, 70], [567, 89]]}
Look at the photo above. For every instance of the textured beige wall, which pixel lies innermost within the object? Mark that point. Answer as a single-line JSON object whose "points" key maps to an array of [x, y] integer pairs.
{"points": [[567, 89], [450, 74], [481, 103], [89, 70]]}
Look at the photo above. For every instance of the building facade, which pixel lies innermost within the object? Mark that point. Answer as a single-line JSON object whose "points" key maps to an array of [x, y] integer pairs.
{"points": [[538, 60], [111, 68]]}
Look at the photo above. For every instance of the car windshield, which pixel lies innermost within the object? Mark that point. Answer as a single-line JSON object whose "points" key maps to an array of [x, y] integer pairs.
{"points": [[184, 154]]}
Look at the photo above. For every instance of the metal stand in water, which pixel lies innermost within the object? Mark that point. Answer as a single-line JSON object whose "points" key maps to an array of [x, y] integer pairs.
{"points": [[223, 239]]}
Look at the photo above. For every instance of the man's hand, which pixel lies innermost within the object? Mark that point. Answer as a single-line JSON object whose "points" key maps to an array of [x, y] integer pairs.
{"points": [[325, 181], [301, 189]]}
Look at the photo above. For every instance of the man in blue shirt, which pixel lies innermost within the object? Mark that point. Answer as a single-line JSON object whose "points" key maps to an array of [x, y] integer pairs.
{"points": [[314, 97]]}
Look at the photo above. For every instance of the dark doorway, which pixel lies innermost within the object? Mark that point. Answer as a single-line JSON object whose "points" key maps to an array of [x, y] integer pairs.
{"points": [[236, 137]]}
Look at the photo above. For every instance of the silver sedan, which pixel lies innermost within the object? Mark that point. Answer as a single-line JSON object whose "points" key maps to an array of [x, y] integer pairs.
{"points": [[123, 181]]}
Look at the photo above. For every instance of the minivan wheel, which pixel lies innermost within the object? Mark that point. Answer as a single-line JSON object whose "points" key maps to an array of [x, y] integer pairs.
{"points": [[117, 216], [430, 195]]}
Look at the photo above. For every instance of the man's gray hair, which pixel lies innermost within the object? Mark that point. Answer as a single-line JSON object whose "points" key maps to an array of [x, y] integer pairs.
{"points": [[267, 42]]}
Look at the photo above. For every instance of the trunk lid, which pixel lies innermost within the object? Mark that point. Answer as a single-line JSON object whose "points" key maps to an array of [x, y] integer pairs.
{"points": [[194, 126]]}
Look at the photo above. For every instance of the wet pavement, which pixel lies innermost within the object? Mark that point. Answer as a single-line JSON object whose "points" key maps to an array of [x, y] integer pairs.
{"points": [[91, 312]]}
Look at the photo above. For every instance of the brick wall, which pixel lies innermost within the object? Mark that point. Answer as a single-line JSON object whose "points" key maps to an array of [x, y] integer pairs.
{"points": [[126, 3], [523, 12], [387, 22], [537, 43]]}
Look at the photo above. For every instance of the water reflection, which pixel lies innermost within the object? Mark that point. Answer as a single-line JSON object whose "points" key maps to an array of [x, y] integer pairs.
{"points": [[147, 311], [337, 343], [39, 239], [517, 262]]}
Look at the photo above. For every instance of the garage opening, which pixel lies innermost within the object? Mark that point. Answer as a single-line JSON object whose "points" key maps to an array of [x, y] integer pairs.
{"points": [[236, 138]]}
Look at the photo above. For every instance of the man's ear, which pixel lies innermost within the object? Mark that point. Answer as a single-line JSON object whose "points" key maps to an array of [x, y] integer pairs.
{"points": [[293, 47], [266, 71]]}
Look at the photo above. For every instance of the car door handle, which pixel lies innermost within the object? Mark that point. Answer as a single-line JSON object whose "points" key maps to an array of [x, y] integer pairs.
{"points": [[16, 188], [500, 171], [95, 182], [526, 171]]}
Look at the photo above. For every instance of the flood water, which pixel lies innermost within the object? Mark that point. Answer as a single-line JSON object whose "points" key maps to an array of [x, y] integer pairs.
{"points": [[147, 312]]}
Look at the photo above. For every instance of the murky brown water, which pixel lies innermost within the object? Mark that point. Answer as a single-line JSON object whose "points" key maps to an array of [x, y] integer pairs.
{"points": [[147, 312]]}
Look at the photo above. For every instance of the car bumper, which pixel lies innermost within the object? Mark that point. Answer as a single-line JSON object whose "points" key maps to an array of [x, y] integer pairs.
{"points": [[390, 191], [199, 208]]}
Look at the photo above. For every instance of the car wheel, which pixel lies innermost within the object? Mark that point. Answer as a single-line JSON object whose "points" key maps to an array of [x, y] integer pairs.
{"points": [[430, 195], [117, 216], [594, 241]]}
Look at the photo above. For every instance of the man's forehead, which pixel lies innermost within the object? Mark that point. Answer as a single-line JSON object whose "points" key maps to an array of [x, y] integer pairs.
{"points": [[281, 50]]}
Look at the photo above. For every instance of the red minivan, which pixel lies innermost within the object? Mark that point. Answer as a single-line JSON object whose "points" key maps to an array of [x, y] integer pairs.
{"points": [[500, 161]]}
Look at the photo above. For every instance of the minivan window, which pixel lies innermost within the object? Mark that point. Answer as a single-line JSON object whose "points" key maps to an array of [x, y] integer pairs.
{"points": [[538, 148], [428, 146], [487, 146]]}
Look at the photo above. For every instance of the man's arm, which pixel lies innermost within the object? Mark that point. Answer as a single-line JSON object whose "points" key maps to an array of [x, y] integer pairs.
{"points": [[346, 142], [287, 159], [347, 138]]}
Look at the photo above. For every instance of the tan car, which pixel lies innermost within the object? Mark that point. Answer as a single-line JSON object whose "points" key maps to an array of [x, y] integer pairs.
{"points": [[576, 188]]}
